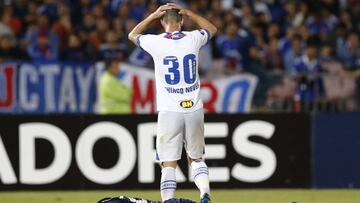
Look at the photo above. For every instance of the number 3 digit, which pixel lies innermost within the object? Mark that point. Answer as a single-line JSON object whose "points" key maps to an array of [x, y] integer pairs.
{"points": [[173, 78]]}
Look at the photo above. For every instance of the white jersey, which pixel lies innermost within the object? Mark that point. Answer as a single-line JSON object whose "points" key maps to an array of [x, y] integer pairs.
{"points": [[176, 59]]}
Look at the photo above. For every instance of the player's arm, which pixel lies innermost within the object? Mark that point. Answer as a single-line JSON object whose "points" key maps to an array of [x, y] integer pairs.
{"points": [[143, 25], [202, 22]]}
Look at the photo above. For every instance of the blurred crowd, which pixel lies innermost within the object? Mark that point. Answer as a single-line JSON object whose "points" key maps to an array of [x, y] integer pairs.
{"points": [[288, 44]]}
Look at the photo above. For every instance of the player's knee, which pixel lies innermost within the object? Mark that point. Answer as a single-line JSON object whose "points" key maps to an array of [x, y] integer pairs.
{"points": [[190, 160], [197, 160], [165, 164]]}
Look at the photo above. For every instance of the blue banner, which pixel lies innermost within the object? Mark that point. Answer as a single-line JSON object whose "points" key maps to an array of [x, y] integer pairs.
{"points": [[53, 88], [37, 88], [336, 150]]}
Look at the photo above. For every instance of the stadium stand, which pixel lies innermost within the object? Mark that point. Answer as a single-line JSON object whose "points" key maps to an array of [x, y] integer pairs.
{"points": [[306, 54]]}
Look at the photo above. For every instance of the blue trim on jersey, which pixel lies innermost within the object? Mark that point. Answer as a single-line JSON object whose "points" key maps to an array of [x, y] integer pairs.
{"points": [[138, 41], [175, 36]]}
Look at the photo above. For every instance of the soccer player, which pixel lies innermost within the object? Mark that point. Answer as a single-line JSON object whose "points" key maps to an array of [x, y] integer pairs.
{"points": [[181, 116]]}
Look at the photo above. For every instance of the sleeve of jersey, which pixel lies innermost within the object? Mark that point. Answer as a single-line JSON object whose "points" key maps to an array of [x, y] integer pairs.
{"points": [[202, 36], [145, 42]]}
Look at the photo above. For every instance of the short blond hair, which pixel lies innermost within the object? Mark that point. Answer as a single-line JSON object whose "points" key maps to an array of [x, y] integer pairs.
{"points": [[172, 15]]}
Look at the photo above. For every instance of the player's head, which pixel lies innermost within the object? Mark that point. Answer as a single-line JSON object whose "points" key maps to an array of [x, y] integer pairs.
{"points": [[172, 18], [112, 66]]}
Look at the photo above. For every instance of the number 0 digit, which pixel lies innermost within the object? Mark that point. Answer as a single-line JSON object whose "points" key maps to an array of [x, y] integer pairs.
{"points": [[190, 68]]}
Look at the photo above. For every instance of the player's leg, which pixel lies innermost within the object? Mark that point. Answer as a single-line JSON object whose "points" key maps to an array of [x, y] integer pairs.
{"points": [[194, 145], [168, 180], [169, 142], [200, 174]]}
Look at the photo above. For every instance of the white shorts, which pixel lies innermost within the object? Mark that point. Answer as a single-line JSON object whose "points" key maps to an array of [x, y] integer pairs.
{"points": [[178, 129]]}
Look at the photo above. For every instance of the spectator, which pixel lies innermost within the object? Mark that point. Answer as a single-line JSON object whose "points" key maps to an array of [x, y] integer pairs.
{"points": [[350, 52], [246, 15], [326, 53], [330, 19], [257, 67], [306, 70], [345, 19], [203, 6], [216, 7], [290, 8], [118, 25], [43, 50], [114, 6], [309, 63], [50, 9], [96, 37], [330, 5], [304, 32], [8, 51], [258, 34], [316, 24], [285, 41], [75, 50], [260, 7], [112, 49], [63, 9], [138, 8], [152, 6], [123, 11], [355, 17], [262, 23], [31, 15], [20, 9], [337, 89], [88, 48], [205, 55], [5, 29], [273, 31], [337, 37], [10, 20], [63, 28], [228, 45], [89, 23], [78, 9], [114, 95], [274, 61], [351, 57], [294, 54], [328, 62], [301, 15], [43, 29], [129, 25], [98, 11]]}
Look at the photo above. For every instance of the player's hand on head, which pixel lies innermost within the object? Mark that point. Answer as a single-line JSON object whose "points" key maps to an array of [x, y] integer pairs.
{"points": [[182, 11], [161, 11]]}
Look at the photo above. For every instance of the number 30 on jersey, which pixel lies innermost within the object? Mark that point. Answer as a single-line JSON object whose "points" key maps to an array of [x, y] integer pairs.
{"points": [[189, 64]]}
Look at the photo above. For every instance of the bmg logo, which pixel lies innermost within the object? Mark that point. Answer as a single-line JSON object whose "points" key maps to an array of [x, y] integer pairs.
{"points": [[187, 104]]}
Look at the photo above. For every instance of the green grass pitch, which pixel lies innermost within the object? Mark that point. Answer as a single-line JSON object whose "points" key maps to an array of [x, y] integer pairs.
{"points": [[218, 196]]}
